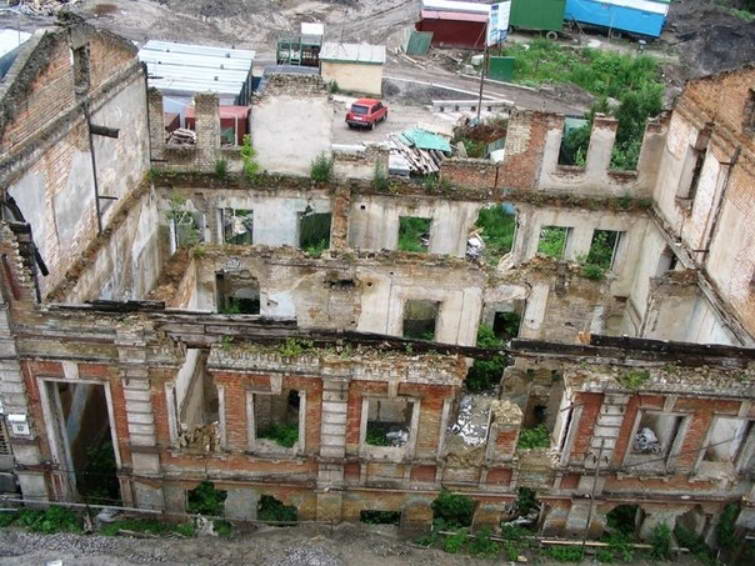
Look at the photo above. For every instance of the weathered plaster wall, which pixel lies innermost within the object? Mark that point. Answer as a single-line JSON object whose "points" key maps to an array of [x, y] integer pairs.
{"points": [[353, 77], [374, 222], [291, 127]]}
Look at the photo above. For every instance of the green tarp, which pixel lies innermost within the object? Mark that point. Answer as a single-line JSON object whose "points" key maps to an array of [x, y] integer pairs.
{"points": [[422, 139]]}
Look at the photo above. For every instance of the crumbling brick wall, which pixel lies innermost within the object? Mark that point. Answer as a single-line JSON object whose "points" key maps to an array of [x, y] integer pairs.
{"points": [[474, 173]]}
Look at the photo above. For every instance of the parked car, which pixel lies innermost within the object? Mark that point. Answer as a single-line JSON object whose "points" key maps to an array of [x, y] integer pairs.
{"points": [[365, 113]]}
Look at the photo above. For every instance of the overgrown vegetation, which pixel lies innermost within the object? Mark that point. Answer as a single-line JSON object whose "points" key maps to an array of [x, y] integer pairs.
{"points": [[413, 234], [565, 553], [497, 227], [486, 374], [634, 379], [54, 519], [552, 241], [149, 526], [454, 509], [315, 233], [294, 347], [248, 154], [725, 529], [377, 434], [600, 257], [687, 538], [526, 501], [533, 438], [285, 434], [221, 169], [660, 540], [206, 500], [273, 510], [321, 169], [633, 80], [98, 481]]}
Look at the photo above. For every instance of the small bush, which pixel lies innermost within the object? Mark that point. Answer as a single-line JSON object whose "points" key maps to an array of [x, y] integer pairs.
{"points": [[377, 435], [186, 529], [206, 500], [294, 347], [273, 510], [660, 539], [620, 548], [453, 508], [725, 530], [333, 87], [497, 231], [321, 169], [526, 501], [223, 528], [592, 271], [221, 168], [532, 438], [248, 153], [634, 379], [482, 546], [456, 542], [284, 434], [317, 249]]}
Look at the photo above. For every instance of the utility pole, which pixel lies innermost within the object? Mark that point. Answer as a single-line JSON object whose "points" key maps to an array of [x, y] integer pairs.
{"points": [[482, 80], [592, 495]]}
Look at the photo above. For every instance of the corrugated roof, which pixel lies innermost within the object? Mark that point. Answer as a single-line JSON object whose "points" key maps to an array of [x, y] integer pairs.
{"points": [[184, 68], [353, 53], [312, 28], [455, 6], [454, 16], [10, 39]]}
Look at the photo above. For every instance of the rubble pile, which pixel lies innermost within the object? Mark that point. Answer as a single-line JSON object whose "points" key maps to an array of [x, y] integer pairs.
{"points": [[43, 7], [472, 420], [181, 136]]}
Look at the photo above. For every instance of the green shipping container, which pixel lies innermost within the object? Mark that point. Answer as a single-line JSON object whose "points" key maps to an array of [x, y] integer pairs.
{"points": [[547, 15]]}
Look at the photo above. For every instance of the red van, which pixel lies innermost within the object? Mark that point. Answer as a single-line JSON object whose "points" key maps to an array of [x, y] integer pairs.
{"points": [[365, 113]]}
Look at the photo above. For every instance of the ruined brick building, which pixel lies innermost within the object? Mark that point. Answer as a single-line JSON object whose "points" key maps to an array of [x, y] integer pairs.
{"points": [[176, 313]]}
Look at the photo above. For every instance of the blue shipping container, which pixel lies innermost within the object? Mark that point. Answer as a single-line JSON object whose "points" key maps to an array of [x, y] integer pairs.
{"points": [[642, 17]]}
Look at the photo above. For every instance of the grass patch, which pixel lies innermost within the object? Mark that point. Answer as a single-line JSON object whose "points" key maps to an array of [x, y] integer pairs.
{"points": [[54, 519], [377, 434], [634, 379], [533, 438], [284, 434], [552, 241], [497, 227], [273, 510], [564, 553]]}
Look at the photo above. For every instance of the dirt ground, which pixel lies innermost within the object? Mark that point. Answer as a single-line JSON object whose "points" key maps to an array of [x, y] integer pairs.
{"points": [[346, 545]]}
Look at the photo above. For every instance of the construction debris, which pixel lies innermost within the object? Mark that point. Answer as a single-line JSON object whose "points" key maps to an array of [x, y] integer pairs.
{"points": [[182, 136]]}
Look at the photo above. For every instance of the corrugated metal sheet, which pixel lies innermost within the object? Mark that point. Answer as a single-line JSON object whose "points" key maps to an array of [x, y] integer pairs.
{"points": [[419, 43], [454, 16], [423, 139], [455, 6], [184, 69], [501, 68], [362, 53], [538, 14]]}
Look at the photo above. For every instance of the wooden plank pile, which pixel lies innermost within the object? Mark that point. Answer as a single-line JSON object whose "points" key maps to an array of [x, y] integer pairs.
{"points": [[421, 161]]}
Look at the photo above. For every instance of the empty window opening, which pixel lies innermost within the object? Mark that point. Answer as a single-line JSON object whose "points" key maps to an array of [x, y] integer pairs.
{"points": [[237, 293], [624, 519], [692, 168], [185, 228], [726, 439], [667, 262], [197, 404], [413, 234], [494, 233], [4, 445], [506, 324], [205, 499], [276, 419], [420, 319], [485, 375], [81, 73], [376, 517], [574, 142], [272, 510], [656, 434], [237, 225], [83, 439], [388, 422], [314, 233], [553, 241], [603, 248]]}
